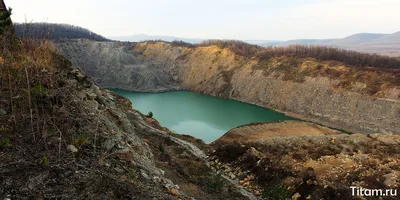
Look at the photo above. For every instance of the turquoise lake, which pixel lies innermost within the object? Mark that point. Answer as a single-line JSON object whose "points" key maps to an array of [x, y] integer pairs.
{"points": [[201, 116]]}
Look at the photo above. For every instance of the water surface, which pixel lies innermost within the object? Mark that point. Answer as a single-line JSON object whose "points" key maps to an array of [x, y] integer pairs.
{"points": [[201, 116]]}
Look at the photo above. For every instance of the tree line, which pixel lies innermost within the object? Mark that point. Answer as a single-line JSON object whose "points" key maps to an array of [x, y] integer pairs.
{"points": [[54, 31], [348, 57]]}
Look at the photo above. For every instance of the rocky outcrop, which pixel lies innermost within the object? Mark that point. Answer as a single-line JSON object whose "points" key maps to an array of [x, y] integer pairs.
{"points": [[355, 99]]}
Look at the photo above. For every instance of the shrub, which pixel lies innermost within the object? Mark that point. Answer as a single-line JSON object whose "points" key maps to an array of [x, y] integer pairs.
{"points": [[161, 148], [182, 43], [215, 182], [38, 90], [5, 142], [239, 47], [45, 160], [132, 174], [80, 140], [276, 191]]}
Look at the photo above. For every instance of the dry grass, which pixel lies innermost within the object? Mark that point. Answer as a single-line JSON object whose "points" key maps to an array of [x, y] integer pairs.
{"points": [[28, 83]]}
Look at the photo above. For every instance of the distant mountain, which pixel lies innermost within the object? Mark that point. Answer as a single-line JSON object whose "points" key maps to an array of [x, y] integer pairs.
{"points": [[357, 39], [390, 39], [351, 40], [386, 45], [305, 42], [55, 31], [263, 42]]}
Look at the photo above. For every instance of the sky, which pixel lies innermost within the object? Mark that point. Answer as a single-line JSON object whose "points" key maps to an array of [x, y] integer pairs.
{"points": [[217, 19]]}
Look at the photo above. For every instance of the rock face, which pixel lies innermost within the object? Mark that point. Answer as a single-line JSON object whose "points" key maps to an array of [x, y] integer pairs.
{"points": [[353, 99], [111, 65]]}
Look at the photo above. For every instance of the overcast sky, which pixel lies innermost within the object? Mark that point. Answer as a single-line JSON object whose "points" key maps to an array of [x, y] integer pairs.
{"points": [[219, 19]]}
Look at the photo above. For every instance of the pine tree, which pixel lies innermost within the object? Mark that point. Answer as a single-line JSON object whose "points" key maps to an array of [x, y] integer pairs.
{"points": [[5, 17]]}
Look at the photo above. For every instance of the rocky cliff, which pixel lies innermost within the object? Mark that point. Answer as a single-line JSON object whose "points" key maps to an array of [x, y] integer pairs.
{"points": [[359, 99]]}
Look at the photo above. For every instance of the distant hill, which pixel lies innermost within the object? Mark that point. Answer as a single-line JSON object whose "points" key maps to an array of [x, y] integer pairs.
{"points": [[384, 44], [357, 39], [351, 40], [263, 42], [55, 31], [389, 39], [304, 42]]}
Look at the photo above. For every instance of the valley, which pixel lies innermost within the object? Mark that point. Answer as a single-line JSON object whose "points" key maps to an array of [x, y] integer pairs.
{"points": [[325, 92], [74, 122]]}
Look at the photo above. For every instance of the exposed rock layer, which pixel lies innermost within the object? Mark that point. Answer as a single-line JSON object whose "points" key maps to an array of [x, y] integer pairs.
{"points": [[359, 104]]}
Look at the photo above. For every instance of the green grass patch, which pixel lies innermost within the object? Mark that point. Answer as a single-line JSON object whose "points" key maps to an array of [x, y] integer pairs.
{"points": [[5, 142], [132, 174], [80, 140]]}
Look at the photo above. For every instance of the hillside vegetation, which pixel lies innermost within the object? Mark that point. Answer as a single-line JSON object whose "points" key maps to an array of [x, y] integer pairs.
{"points": [[54, 31], [323, 53]]}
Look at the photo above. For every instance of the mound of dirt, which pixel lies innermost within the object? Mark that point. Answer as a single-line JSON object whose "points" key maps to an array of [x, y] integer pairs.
{"points": [[259, 131]]}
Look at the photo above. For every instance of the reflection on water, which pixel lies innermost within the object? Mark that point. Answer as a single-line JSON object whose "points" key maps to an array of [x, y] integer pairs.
{"points": [[204, 117]]}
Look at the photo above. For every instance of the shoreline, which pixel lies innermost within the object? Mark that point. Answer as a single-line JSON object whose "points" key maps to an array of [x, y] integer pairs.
{"points": [[296, 117]]}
